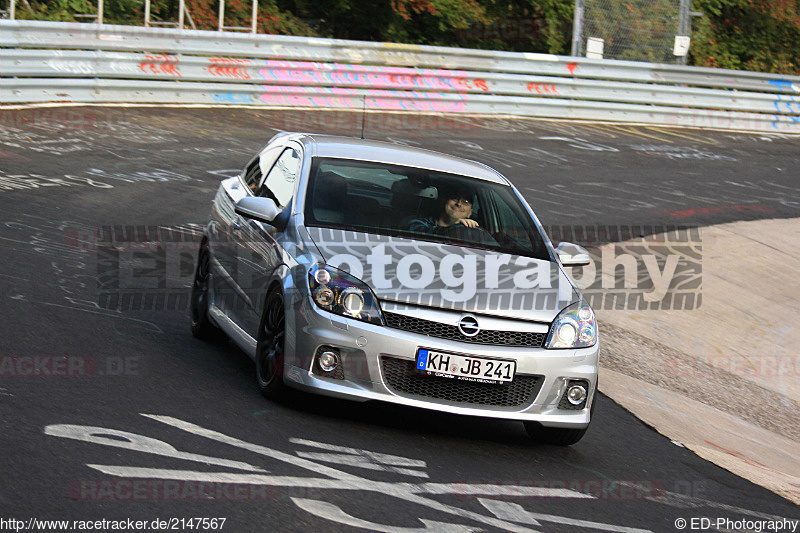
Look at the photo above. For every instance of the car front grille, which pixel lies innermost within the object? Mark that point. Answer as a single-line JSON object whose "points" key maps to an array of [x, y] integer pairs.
{"points": [[402, 378], [450, 332]]}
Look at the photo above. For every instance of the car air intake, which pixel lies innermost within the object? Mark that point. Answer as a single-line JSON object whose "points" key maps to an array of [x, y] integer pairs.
{"points": [[402, 378]]}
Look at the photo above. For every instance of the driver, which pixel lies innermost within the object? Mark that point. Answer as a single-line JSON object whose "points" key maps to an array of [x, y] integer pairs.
{"points": [[455, 213]]}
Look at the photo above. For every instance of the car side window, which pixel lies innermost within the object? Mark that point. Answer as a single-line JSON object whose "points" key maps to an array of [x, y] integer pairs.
{"points": [[515, 232], [279, 183], [253, 175], [508, 220]]}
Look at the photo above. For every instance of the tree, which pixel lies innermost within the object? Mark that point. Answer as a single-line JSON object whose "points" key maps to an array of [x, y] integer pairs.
{"points": [[59, 10], [238, 13], [760, 35]]}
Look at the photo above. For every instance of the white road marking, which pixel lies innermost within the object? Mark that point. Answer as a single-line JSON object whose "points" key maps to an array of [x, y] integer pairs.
{"points": [[383, 458], [98, 311], [683, 501], [361, 458], [582, 144], [333, 512], [385, 487], [508, 516], [139, 443], [398, 490], [358, 461], [227, 477], [255, 448], [512, 491], [517, 513]]}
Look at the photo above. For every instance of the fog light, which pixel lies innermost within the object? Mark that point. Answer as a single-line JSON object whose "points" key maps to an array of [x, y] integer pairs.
{"points": [[328, 361], [576, 394]]}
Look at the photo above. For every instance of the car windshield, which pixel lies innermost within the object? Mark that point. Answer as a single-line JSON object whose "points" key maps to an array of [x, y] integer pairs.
{"points": [[381, 198]]}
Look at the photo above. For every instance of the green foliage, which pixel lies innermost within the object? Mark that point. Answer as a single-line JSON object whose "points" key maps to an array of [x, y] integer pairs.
{"points": [[238, 13], [123, 11], [636, 30], [434, 22], [60, 10], [542, 26], [762, 35]]}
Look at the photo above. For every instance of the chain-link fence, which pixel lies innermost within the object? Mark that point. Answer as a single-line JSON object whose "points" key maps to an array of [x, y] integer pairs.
{"points": [[635, 30]]}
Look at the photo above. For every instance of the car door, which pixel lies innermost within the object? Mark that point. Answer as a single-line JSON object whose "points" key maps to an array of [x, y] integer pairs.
{"points": [[228, 296], [256, 243]]}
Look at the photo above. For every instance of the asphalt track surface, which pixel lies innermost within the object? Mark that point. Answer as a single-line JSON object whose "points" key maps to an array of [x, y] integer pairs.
{"points": [[68, 366]]}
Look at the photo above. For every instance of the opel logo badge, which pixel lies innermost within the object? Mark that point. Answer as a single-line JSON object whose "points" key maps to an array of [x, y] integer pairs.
{"points": [[468, 326]]}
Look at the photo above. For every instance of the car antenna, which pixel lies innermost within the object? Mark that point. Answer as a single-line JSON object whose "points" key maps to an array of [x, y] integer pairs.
{"points": [[363, 115]]}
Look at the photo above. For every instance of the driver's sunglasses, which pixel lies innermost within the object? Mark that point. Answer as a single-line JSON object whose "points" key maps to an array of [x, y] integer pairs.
{"points": [[462, 201]]}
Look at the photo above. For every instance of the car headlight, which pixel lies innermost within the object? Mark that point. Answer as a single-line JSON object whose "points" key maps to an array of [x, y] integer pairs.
{"points": [[338, 292], [574, 327]]}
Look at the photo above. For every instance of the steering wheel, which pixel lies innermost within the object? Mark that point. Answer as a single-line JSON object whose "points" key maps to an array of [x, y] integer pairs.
{"points": [[461, 232]]}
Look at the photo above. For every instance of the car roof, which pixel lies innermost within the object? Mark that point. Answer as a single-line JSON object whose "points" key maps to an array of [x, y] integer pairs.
{"points": [[396, 154]]}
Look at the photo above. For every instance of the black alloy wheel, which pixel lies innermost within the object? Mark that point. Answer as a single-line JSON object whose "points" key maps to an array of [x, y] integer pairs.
{"points": [[270, 347], [202, 326]]}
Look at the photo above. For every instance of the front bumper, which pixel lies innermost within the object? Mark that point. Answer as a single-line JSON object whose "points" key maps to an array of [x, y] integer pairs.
{"points": [[374, 357]]}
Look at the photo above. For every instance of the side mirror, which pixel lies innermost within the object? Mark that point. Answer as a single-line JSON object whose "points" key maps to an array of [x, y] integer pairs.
{"points": [[258, 208], [572, 255]]}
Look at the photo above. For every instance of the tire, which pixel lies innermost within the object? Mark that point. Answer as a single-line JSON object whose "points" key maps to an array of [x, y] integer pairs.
{"points": [[270, 347], [558, 436], [202, 326]]}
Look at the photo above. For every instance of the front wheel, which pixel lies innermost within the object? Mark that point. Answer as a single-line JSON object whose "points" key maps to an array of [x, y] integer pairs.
{"points": [[270, 347]]}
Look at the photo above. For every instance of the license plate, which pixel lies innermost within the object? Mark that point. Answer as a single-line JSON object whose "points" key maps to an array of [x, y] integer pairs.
{"points": [[465, 367]]}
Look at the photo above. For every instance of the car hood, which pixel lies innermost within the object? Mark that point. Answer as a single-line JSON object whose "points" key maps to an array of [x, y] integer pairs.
{"points": [[446, 276]]}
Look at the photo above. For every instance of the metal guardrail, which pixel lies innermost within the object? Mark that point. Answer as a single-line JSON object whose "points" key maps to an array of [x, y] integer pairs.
{"points": [[100, 64], [145, 91], [97, 63]]}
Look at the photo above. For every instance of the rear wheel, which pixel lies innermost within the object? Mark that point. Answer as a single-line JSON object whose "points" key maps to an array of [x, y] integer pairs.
{"points": [[202, 326], [270, 347]]}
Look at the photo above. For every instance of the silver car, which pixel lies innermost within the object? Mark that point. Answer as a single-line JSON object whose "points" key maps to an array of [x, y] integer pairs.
{"points": [[372, 271]]}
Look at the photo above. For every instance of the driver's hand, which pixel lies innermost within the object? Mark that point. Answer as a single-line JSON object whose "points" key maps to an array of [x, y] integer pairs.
{"points": [[468, 222]]}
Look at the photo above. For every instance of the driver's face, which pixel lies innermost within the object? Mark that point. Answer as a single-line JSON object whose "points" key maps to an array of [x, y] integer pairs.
{"points": [[458, 208]]}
